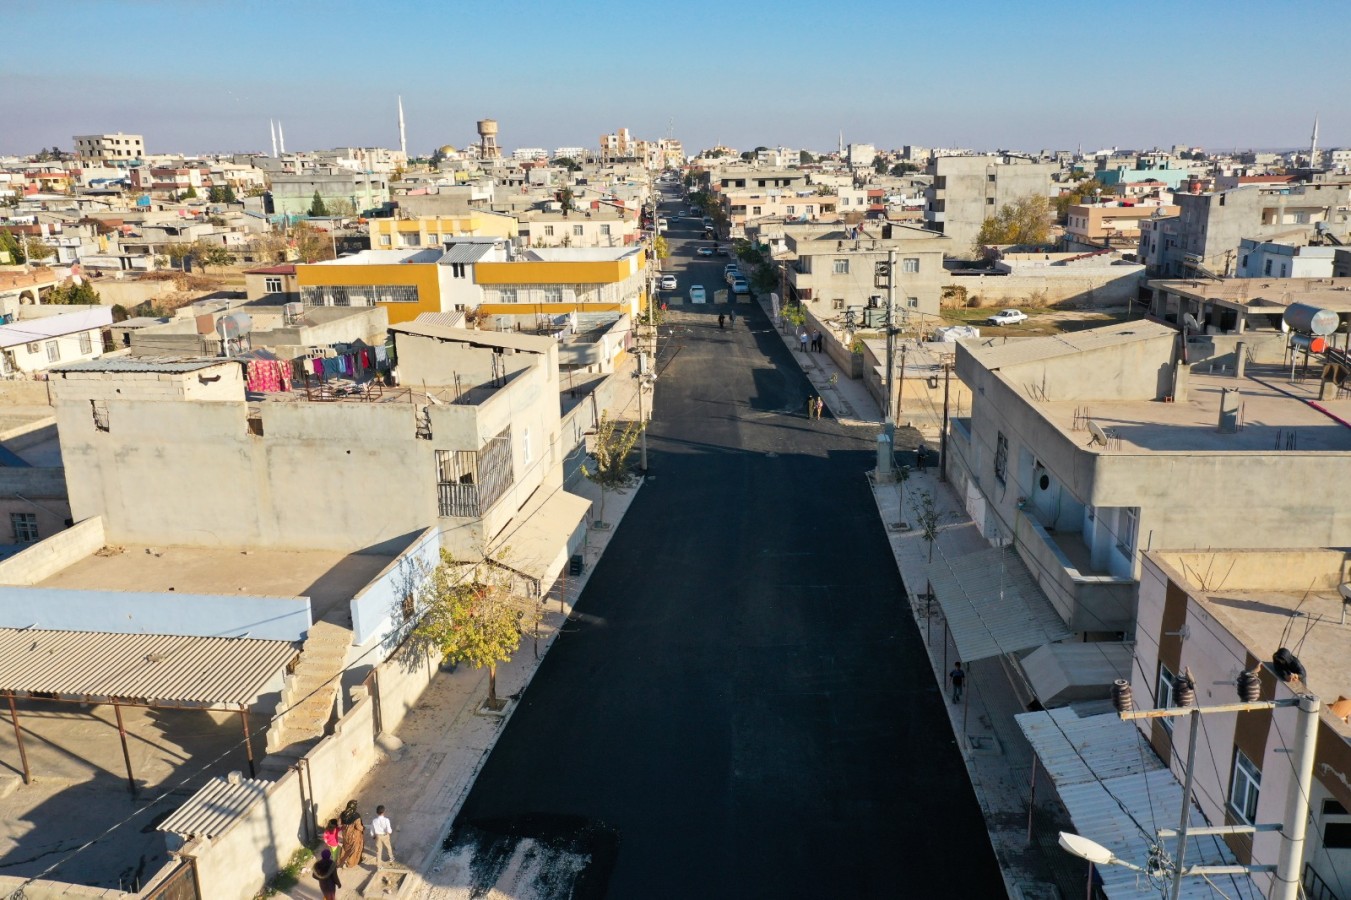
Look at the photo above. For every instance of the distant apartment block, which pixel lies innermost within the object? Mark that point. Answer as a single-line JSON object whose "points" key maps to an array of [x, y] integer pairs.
{"points": [[363, 192], [106, 148], [433, 230], [834, 266], [1114, 225], [967, 190]]}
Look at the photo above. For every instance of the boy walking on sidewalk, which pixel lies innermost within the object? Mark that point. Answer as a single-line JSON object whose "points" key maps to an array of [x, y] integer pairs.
{"points": [[382, 828]]}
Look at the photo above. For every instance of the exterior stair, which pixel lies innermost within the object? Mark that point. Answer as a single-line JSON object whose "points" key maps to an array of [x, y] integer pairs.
{"points": [[308, 697]]}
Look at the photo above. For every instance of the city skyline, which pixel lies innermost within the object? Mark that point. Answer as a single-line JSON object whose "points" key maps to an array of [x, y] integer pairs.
{"points": [[792, 78]]}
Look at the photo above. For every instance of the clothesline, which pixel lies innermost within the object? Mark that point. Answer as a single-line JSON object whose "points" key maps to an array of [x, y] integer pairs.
{"points": [[274, 375]]}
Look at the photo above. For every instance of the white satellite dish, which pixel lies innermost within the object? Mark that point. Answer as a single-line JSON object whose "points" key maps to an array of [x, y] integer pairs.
{"points": [[1098, 435]]}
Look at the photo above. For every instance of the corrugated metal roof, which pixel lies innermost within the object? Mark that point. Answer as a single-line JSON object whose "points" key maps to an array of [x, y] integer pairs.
{"points": [[465, 253], [174, 365], [444, 319], [167, 668], [995, 352], [26, 331], [1132, 791], [215, 807], [992, 604]]}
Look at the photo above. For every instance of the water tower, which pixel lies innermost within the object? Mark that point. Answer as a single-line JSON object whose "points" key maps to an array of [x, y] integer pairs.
{"points": [[487, 133]]}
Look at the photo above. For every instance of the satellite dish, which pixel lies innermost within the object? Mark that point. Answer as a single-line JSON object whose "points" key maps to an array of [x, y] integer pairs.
{"points": [[1190, 321], [1098, 435]]}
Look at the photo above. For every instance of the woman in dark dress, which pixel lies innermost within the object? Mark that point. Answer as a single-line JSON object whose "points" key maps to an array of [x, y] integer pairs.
{"points": [[353, 836]]}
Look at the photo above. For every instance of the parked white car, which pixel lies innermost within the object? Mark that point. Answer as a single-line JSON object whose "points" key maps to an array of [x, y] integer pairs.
{"points": [[697, 294], [1007, 317], [668, 282]]}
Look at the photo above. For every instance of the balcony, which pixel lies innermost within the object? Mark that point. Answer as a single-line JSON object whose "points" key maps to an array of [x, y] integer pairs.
{"points": [[1087, 598]]}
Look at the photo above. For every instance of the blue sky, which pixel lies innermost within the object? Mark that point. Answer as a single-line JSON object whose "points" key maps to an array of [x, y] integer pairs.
{"points": [[206, 76]]}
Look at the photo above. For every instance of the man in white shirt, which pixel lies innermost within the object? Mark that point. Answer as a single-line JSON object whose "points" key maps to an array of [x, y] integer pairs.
{"points": [[382, 829]]}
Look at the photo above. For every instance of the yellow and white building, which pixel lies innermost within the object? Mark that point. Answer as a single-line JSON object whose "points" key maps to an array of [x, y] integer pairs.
{"points": [[433, 231], [507, 288]]}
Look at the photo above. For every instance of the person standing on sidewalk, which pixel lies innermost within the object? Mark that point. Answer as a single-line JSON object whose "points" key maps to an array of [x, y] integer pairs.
{"points": [[383, 830], [820, 406], [958, 678], [722, 318], [802, 340], [325, 872]]}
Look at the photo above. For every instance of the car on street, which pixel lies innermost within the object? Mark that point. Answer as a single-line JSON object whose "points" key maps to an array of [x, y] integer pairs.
{"points": [[697, 294], [1007, 317], [740, 285], [705, 251], [731, 273], [668, 282], [723, 251]]}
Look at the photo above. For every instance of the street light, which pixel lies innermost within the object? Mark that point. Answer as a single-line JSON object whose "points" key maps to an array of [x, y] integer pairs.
{"points": [[1092, 851]]}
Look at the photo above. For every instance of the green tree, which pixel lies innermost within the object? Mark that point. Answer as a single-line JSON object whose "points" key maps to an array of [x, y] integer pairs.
{"points": [[660, 248], [176, 253], [610, 450], [10, 252], [566, 197], [189, 194], [207, 255], [35, 251], [1026, 220], [221, 194], [747, 155], [804, 158], [927, 517], [880, 166], [567, 162], [469, 620], [70, 293], [317, 207], [311, 244], [904, 168], [438, 157]]}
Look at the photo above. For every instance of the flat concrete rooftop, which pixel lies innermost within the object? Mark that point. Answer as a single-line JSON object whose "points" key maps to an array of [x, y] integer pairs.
{"points": [[1261, 619], [1272, 408], [328, 578]]}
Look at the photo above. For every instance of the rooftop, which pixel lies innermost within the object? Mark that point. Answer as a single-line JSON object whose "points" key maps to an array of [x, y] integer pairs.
{"points": [[327, 577], [1274, 415], [1326, 293]]}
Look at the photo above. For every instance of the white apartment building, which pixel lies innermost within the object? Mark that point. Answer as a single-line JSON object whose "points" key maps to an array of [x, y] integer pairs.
{"points": [[109, 147]]}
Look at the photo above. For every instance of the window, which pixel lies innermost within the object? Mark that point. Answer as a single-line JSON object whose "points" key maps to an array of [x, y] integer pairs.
{"points": [[272, 285], [525, 446], [1282, 270], [412, 239], [548, 231], [86, 343], [912, 302], [1244, 786], [1266, 270], [1163, 694], [755, 210], [553, 295], [910, 264], [53, 351], [1001, 459], [792, 210], [507, 295], [457, 270], [605, 230], [25, 527], [837, 303], [841, 267], [577, 231], [1128, 529], [989, 201], [990, 178], [384, 240]]}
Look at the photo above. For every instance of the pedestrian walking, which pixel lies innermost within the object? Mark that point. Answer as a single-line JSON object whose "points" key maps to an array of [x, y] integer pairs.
{"points": [[811, 407], [383, 831], [325, 872], [958, 678], [802, 340], [816, 341], [332, 834], [733, 317], [820, 406], [721, 318], [353, 836]]}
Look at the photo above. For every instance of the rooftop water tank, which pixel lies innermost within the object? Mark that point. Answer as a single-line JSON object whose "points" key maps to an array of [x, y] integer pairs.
{"points": [[232, 326], [1308, 319]]}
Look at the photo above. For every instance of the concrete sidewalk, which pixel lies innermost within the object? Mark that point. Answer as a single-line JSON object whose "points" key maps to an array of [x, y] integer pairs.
{"points": [[432, 760]]}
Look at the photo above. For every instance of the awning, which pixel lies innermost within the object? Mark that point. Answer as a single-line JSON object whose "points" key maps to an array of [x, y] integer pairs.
{"points": [[1118, 793], [1063, 673], [537, 545], [216, 806], [153, 669], [992, 604]]}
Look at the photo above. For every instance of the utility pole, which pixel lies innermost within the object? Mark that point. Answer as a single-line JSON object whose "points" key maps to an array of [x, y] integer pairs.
{"points": [[900, 386], [887, 271], [644, 377], [943, 435]]}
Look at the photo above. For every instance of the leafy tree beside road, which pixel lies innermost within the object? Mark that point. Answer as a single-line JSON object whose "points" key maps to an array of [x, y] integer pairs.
{"points": [[1026, 220]]}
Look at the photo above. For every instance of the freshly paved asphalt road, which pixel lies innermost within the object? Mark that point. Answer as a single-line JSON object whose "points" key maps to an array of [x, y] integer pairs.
{"points": [[743, 708]]}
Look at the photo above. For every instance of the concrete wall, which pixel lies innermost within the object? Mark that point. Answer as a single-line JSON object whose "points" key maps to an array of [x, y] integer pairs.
{"points": [[129, 293], [1051, 286], [51, 555], [152, 612], [236, 864], [374, 607]]}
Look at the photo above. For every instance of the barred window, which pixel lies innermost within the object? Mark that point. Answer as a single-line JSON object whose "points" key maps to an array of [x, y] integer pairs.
{"points": [[1001, 458], [507, 295], [358, 294]]}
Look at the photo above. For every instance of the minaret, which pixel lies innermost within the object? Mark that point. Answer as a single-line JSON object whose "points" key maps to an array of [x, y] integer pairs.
{"points": [[403, 135], [281, 137], [841, 143], [272, 127], [1313, 144]]}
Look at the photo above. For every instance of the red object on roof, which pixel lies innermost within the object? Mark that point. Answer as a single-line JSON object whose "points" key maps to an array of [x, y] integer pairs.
{"points": [[272, 270]]}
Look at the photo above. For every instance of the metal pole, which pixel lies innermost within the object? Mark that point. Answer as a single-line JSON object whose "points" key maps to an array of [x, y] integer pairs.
{"points": [[1032, 801], [1287, 884], [642, 421], [943, 435], [1181, 859], [900, 386], [18, 739], [248, 743], [126, 754], [891, 333], [928, 613]]}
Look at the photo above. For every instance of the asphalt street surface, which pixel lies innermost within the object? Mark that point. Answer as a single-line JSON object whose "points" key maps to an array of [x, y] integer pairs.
{"points": [[742, 707]]}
